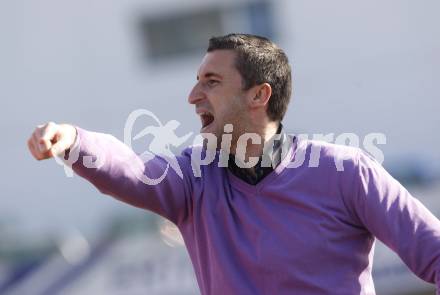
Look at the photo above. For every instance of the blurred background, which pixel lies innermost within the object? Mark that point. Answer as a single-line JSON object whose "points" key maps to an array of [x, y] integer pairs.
{"points": [[359, 66]]}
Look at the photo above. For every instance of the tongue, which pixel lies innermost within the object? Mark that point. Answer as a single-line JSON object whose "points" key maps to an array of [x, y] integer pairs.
{"points": [[207, 119]]}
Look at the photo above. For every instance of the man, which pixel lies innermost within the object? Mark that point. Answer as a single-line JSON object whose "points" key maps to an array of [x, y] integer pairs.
{"points": [[292, 223]]}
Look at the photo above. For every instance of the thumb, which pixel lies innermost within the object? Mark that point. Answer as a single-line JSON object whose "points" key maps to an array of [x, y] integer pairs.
{"points": [[60, 146], [46, 136], [65, 139]]}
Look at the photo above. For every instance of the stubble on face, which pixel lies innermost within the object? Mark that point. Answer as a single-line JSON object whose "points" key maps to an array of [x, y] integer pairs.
{"points": [[224, 103]]}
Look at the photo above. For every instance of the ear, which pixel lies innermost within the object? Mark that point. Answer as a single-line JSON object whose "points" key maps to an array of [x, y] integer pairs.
{"points": [[260, 95]]}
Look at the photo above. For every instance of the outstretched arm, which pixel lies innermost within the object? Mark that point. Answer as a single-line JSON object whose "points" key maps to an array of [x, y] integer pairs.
{"points": [[114, 169]]}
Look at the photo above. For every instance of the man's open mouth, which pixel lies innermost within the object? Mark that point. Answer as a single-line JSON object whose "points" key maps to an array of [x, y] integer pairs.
{"points": [[206, 118]]}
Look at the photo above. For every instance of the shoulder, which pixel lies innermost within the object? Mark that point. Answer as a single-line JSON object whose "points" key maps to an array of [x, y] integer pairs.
{"points": [[350, 167], [327, 155]]}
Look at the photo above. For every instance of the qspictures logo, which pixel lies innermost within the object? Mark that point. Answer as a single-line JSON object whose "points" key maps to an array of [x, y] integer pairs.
{"points": [[164, 139]]}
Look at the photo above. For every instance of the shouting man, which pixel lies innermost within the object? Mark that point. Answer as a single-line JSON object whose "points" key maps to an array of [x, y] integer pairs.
{"points": [[275, 216]]}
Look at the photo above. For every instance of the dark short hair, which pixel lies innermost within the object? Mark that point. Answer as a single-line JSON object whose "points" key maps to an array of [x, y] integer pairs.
{"points": [[259, 60]]}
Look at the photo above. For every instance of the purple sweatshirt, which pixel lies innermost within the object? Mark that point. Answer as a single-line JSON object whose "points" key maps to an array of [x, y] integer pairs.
{"points": [[306, 229]]}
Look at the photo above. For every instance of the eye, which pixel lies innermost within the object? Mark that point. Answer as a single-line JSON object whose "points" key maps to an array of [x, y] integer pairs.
{"points": [[212, 83]]}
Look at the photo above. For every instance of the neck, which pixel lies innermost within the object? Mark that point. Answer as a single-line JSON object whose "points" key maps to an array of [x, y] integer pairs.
{"points": [[265, 132]]}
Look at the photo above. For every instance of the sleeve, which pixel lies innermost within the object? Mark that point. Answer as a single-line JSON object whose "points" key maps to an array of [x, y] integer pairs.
{"points": [[386, 209], [114, 169]]}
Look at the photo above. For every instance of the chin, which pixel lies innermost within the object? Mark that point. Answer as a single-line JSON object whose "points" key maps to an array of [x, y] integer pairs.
{"points": [[209, 129], [206, 133]]}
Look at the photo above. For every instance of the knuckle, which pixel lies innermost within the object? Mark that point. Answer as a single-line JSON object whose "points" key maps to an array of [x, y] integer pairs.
{"points": [[34, 138], [38, 132], [41, 156], [30, 145]]}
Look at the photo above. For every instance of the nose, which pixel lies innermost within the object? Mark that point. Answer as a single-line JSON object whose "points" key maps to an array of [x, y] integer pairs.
{"points": [[196, 95]]}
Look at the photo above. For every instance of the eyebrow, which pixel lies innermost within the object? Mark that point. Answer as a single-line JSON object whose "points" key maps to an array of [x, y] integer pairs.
{"points": [[210, 75]]}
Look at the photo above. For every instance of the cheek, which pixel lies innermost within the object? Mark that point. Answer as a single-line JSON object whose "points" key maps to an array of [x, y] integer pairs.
{"points": [[237, 106], [232, 112], [227, 106]]}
